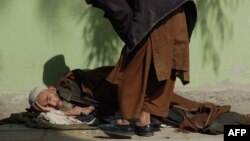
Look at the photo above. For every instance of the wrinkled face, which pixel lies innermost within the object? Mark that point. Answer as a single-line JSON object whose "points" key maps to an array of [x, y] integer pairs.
{"points": [[49, 98]]}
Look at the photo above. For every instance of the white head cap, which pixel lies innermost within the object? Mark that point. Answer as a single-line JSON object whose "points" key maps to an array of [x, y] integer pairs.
{"points": [[34, 94]]}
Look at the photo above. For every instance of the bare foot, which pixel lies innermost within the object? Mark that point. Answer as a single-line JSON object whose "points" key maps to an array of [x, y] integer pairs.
{"points": [[123, 122], [144, 119]]}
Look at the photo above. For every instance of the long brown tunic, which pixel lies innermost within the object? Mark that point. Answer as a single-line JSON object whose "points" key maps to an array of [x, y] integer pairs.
{"points": [[146, 78]]}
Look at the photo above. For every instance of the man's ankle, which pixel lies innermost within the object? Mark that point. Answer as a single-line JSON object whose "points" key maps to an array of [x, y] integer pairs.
{"points": [[144, 119]]}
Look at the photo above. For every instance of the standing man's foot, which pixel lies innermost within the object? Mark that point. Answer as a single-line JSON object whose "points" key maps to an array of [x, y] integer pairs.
{"points": [[143, 126], [120, 129], [146, 130], [123, 127], [117, 129]]}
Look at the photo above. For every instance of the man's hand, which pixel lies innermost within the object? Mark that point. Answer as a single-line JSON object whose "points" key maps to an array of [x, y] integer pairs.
{"points": [[52, 89], [79, 110], [41, 108]]}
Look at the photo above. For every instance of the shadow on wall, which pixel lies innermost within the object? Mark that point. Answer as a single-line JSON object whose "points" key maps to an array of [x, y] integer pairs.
{"points": [[99, 38], [217, 27], [54, 69], [53, 10], [3, 4], [104, 45]]}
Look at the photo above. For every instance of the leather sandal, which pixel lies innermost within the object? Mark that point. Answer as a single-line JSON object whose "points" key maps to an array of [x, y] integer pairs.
{"points": [[116, 129], [145, 131]]}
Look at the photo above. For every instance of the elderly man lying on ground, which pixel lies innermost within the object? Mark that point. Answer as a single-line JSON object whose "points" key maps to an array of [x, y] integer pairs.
{"points": [[86, 93]]}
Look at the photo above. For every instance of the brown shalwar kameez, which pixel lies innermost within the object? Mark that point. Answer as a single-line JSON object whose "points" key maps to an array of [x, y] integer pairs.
{"points": [[147, 81]]}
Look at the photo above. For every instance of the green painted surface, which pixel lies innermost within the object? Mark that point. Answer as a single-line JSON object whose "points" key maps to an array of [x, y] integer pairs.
{"points": [[220, 45], [42, 39]]}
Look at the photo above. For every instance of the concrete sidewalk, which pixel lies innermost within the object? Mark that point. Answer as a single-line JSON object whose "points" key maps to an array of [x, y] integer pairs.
{"points": [[21, 133], [237, 96]]}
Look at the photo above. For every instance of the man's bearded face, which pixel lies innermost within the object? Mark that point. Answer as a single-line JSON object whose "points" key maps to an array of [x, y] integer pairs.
{"points": [[49, 98]]}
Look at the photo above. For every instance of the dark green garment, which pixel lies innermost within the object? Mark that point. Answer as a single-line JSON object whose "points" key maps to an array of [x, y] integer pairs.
{"points": [[70, 88]]}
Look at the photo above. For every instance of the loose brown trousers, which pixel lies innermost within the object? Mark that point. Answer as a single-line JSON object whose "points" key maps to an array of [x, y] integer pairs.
{"points": [[146, 78]]}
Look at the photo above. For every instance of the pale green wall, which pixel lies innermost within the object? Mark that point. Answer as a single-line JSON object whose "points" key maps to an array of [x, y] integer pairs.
{"points": [[42, 39], [221, 43]]}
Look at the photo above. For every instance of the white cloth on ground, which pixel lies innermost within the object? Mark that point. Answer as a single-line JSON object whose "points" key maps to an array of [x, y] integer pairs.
{"points": [[58, 117]]}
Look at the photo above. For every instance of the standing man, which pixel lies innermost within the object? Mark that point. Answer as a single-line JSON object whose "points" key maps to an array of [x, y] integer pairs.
{"points": [[156, 34]]}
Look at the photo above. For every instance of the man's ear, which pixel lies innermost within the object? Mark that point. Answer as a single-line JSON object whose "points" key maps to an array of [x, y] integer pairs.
{"points": [[52, 89]]}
